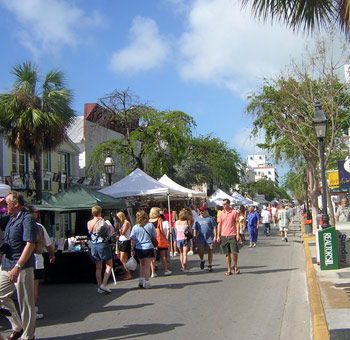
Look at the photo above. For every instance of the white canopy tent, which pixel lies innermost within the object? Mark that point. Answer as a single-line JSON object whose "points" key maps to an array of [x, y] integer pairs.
{"points": [[241, 198], [175, 186], [4, 189], [218, 197], [137, 186]]}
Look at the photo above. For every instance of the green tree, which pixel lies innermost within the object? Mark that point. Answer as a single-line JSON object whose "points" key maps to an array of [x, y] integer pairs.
{"points": [[151, 140], [217, 164], [285, 107], [35, 118], [308, 15], [268, 188]]}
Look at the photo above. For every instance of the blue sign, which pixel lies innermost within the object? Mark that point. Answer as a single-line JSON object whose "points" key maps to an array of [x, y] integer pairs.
{"points": [[344, 176]]}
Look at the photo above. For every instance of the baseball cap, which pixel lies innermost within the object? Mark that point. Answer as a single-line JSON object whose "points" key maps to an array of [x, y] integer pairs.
{"points": [[203, 208]]}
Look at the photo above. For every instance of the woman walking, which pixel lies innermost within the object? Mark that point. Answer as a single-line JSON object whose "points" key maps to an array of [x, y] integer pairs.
{"points": [[124, 242], [181, 226], [242, 223], [141, 245], [253, 219], [163, 245], [100, 250]]}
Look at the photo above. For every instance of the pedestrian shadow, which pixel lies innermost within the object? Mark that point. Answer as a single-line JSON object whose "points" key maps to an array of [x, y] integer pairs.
{"points": [[127, 332], [270, 271], [182, 285]]}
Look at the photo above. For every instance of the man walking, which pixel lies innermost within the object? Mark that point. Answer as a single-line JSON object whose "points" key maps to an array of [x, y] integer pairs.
{"points": [[266, 220], [228, 235], [204, 232], [284, 219], [343, 211], [17, 267]]}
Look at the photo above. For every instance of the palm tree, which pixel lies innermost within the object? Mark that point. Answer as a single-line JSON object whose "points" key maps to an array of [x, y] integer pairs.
{"points": [[33, 118], [308, 15]]}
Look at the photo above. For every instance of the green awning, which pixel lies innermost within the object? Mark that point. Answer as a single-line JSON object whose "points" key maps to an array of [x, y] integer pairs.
{"points": [[78, 197]]}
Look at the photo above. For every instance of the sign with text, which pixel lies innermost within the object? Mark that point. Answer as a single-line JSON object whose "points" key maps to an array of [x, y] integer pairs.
{"points": [[333, 178], [344, 175]]}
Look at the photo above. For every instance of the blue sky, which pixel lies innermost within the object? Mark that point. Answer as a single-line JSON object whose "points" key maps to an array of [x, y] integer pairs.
{"points": [[202, 57]]}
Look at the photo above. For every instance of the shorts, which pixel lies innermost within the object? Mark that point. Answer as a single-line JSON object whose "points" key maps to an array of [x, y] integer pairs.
{"points": [[228, 245], [125, 246], [145, 253], [39, 274], [283, 228], [205, 246], [181, 243], [101, 251], [173, 234]]}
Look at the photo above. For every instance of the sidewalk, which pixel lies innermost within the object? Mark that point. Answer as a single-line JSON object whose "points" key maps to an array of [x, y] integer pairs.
{"points": [[329, 293]]}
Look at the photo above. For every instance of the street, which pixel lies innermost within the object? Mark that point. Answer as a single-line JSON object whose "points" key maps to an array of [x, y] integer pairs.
{"points": [[268, 300]]}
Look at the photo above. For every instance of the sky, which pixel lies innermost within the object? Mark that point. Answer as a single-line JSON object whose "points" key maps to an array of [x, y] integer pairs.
{"points": [[202, 57]]}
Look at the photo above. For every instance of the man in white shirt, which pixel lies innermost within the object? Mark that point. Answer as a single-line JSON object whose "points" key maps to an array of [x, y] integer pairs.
{"points": [[266, 220]]}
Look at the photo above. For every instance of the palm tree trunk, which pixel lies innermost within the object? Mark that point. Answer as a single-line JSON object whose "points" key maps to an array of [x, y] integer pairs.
{"points": [[38, 176]]}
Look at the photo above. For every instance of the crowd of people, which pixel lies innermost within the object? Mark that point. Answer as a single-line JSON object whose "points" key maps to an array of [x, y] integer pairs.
{"points": [[156, 234]]}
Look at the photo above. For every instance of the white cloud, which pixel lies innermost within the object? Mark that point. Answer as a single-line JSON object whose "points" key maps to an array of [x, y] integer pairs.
{"points": [[147, 50], [47, 25], [226, 46]]}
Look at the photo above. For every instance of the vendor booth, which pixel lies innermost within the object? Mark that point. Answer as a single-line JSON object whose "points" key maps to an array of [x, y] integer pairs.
{"points": [[73, 260], [218, 197]]}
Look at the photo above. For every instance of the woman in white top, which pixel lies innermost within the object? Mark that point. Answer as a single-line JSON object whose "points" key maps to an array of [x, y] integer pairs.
{"points": [[181, 225], [124, 242]]}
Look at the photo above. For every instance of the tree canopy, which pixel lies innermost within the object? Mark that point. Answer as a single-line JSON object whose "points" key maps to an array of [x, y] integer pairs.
{"points": [[35, 118], [152, 140], [306, 15], [285, 107]]}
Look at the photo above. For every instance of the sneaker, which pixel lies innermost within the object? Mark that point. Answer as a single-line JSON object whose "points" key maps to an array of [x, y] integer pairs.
{"points": [[185, 271], [210, 268], [190, 252], [141, 282], [169, 272], [147, 285], [201, 266], [286, 239], [254, 245], [154, 275], [176, 253], [39, 316], [105, 289], [171, 254]]}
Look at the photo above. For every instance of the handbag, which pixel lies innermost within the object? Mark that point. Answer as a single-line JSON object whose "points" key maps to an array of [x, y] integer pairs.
{"points": [[131, 264], [162, 241], [188, 234], [153, 239]]}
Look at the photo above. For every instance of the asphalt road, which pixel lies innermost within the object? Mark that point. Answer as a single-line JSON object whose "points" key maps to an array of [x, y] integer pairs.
{"points": [[268, 300]]}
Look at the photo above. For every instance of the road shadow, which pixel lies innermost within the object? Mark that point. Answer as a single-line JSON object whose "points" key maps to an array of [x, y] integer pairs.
{"points": [[181, 285], [270, 271], [134, 331]]}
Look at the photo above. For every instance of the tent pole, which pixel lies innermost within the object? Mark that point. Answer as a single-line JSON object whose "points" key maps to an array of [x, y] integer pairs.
{"points": [[171, 234]]}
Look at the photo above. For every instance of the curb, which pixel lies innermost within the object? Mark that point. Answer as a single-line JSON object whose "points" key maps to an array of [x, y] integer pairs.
{"points": [[319, 322]]}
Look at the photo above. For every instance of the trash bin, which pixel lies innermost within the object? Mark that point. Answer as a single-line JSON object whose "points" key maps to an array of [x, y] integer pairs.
{"points": [[308, 223], [327, 242]]}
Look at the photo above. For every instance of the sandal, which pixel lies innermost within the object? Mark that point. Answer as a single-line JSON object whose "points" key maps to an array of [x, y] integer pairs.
{"points": [[237, 271], [228, 273], [15, 335]]}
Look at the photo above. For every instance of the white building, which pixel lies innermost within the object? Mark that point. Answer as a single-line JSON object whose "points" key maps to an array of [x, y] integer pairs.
{"points": [[259, 168]]}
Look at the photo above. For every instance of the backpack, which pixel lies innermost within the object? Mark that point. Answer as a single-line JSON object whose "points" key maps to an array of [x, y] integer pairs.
{"points": [[103, 229], [40, 241]]}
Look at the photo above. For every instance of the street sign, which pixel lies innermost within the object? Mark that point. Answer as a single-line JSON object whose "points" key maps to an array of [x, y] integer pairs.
{"points": [[327, 239]]}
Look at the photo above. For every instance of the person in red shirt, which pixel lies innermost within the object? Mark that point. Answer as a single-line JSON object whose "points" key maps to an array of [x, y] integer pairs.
{"points": [[228, 235]]}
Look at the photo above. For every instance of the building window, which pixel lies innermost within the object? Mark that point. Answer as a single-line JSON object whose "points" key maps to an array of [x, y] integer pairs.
{"points": [[269, 172], [18, 162]]}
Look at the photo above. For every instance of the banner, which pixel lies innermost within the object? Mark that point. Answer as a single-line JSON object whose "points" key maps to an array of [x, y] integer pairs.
{"points": [[333, 179], [344, 175]]}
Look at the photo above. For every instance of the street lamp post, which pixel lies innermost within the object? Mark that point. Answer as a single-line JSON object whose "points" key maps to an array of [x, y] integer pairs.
{"points": [[320, 125], [109, 167]]}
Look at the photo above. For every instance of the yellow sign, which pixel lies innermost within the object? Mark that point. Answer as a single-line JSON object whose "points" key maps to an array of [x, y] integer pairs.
{"points": [[333, 178]]}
